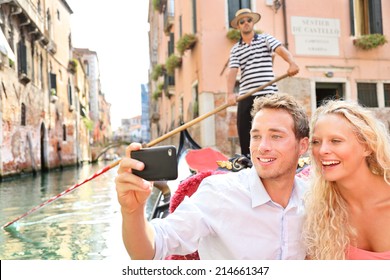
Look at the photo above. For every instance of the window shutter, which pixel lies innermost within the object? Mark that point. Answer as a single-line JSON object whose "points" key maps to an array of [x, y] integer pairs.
{"points": [[70, 97], [171, 44], [245, 4], [352, 17], [234, 6], [194, 23], [375, 10], [22, 58]]}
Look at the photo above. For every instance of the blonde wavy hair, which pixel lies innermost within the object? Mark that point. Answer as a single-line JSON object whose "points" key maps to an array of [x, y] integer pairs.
{"points": [[327, 232]]}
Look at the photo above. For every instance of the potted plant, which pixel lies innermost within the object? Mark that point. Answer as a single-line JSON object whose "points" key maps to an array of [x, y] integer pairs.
{"points": [[158, 92], [53, 95], [158, 71], [72, 66], [11, 63], [173, 61], [186, 42], [158, 5], [370, 41]]}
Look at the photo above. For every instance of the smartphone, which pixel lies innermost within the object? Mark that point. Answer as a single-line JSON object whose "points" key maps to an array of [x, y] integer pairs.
{"points": [[160, 163]]}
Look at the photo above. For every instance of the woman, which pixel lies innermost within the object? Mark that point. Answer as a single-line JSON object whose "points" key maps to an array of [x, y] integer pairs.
{"points": [[348, 207]]}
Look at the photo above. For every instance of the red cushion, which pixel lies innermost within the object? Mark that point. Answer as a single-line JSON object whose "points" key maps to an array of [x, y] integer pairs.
{"points": [[204, 159]]}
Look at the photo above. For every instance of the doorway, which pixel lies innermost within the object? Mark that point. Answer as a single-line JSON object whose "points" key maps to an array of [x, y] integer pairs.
{"points": [[326, 91]]}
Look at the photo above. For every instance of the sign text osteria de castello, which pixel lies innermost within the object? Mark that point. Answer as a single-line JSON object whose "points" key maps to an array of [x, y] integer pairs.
{"points": [[316, 36]]}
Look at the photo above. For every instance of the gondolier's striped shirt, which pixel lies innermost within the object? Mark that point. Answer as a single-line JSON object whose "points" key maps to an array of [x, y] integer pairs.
{"points": [[255, 62]]}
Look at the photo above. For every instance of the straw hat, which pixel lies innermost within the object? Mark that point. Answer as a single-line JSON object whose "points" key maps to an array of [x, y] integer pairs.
{"points": [[242, 14]]}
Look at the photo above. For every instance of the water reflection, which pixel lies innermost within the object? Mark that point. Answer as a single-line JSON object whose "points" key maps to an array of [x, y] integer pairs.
{"points": [[82, 225]]}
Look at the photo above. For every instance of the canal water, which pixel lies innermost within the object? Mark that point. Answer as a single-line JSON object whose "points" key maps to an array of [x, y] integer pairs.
{"points": [[84, 224]]}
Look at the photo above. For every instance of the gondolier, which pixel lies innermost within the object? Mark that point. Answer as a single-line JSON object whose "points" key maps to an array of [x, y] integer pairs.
{"points": [[253, 55]]}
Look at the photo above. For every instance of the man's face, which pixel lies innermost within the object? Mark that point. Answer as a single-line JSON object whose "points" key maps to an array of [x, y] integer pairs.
{"points": [[246, 24], [273, 146]]}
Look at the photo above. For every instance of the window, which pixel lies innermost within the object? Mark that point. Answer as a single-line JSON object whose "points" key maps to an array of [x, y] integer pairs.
{"points": [[171, 44], [169, 14], [64, 132], [366, 17], [33, 60], [70, 95], [53, 82], [235, 5], [22, 58], [386, 89], [180, 26], [58, 15], [23, 115], [40, 70], [194, 29], [195, 101], [48, 18], [367, 94], [168, 79], [86, 65], [49, 23]]}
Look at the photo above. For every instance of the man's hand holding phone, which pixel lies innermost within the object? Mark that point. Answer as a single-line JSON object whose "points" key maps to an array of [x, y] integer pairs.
{"points": [[138, 169], [132, 190]]}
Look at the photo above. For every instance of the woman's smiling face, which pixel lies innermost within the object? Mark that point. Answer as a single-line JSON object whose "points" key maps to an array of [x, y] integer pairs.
{"points": [[336, 149]]}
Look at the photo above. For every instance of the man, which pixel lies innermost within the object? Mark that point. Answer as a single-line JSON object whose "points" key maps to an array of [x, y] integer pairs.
{"points": [[253, 55], [255, 213]]}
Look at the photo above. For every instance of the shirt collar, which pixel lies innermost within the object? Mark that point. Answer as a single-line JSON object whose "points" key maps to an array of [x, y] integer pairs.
{"points": [[254, 38], [258, 193], [260, 196]]}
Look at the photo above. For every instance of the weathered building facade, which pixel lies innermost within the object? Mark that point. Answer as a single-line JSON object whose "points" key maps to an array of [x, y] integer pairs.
{"points": [[327, 40], [84, 124], [44, 105], [98, 107]]}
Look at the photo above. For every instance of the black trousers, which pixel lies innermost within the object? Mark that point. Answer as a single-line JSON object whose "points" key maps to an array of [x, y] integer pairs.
{"points": [[244, 123]]}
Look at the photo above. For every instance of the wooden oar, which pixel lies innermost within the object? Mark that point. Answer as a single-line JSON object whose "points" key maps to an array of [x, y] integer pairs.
{"points": [[150, 144]]}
